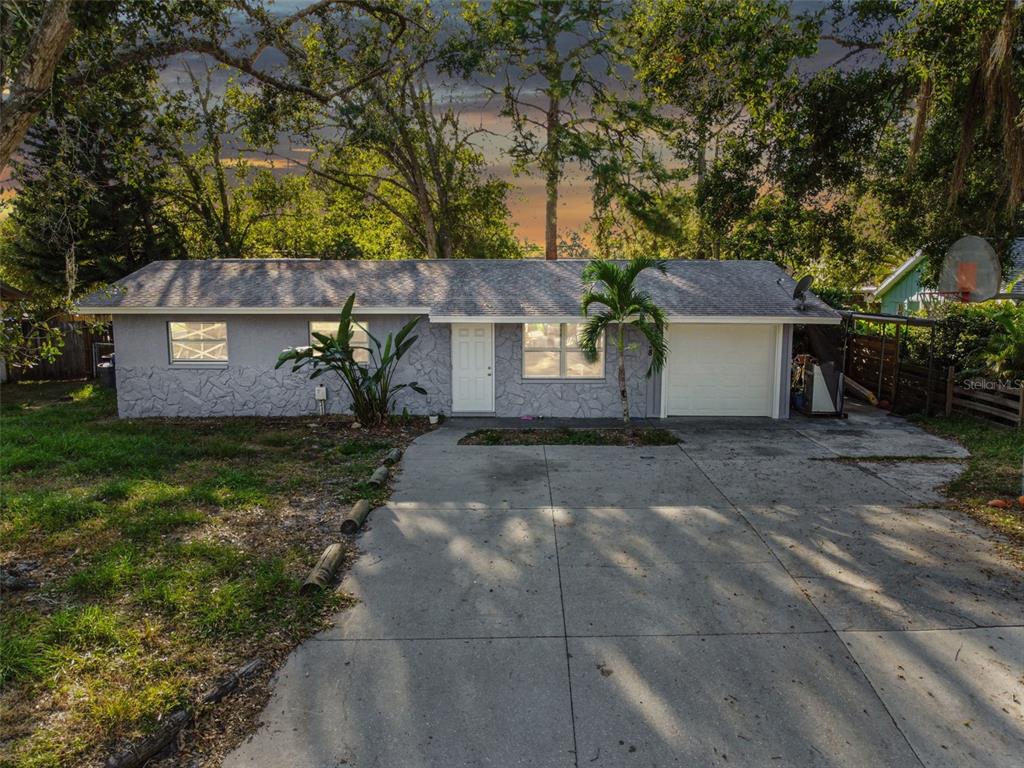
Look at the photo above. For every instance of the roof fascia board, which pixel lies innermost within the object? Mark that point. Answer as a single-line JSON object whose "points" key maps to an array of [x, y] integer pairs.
{"points": [[757, 319], [506, 318], [737, 319]]}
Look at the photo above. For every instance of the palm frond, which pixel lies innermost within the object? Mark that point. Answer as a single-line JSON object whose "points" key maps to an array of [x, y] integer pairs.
{"points": [[600, 271], [590, 336], [613, 286], [639, 264], [592, 297]]}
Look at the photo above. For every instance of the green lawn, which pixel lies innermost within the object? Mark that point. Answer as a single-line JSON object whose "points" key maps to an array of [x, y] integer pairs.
{"points": [[166, 551], [566, 436], [994, 471]]}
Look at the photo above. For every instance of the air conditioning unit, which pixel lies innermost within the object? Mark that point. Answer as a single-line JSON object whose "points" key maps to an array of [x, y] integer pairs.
{"points": [[823, 390]]}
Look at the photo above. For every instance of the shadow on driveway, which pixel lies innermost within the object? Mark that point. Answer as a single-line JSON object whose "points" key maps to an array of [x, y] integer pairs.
{"points": [[739, 599]]}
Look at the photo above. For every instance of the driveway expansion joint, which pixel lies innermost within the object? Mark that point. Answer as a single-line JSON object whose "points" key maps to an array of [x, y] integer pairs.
{"points": [[561, 598], [832, 629], [596, 636]]}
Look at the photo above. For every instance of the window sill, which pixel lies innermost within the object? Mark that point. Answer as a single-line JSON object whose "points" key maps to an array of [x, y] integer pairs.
{"points": [[201, 366], [558, 380]]}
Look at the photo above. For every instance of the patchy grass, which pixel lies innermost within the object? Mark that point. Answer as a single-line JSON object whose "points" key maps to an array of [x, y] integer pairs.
{"points": [[165, 552], [994, 471], [632, 436]]}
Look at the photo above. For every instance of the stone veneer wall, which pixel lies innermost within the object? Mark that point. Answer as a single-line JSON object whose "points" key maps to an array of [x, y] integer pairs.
{"points": [[149, 386], [516, 396]]}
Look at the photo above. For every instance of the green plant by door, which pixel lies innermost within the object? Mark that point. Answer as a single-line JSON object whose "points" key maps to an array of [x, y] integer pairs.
{"points": [[612, 286], [371, 384]]}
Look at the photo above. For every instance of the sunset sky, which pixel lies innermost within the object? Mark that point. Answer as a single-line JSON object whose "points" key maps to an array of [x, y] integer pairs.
{"points": [[526, 199]]}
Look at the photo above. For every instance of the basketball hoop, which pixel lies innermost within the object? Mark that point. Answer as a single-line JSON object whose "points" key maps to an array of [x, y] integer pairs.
{"points": [[970, 271], [964, 297]]}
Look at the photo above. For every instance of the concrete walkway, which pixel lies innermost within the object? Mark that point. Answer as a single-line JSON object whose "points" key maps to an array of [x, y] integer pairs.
{"points": [[742, 599]]}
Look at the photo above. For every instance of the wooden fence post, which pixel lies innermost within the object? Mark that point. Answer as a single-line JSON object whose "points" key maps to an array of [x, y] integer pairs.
{"points": [[881, 365], [1020, 407], [950, 383], [896, 370]]}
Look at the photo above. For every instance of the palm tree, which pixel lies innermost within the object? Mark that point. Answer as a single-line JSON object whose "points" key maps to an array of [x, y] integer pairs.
{"points": [[612, 285]]}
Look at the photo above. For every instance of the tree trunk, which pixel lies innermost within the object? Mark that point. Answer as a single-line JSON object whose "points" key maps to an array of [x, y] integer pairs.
{"points": [[552, 174], [34, 77], [421, 103], [702, 172], [622, 376], [426, 217]]}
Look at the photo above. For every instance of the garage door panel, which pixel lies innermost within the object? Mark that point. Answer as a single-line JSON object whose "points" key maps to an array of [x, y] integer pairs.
{"points": [[720, 370]]}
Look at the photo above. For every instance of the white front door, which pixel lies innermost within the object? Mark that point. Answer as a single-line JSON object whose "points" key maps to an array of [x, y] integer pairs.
{"points": [[472, 367]]}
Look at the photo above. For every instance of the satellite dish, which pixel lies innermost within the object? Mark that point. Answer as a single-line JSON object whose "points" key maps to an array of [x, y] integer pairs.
{"points": [[971, 270], [801, 289]]}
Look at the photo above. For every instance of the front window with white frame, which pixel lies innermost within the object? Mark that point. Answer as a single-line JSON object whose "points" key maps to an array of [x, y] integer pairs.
{"points": [[552, 351], [360, 338], [198, 342]]}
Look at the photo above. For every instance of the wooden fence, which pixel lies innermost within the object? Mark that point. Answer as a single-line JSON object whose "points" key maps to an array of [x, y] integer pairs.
{"points": [[871, 362], [989, 400], [76, 361], [916, 392], [874, 363]]}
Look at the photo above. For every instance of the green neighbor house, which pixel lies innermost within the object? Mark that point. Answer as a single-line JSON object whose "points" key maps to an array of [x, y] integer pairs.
{"points": [[901, 292]]}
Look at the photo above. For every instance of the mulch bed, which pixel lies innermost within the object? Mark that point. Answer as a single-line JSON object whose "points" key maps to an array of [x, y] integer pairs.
{"points": [[625, 436]]}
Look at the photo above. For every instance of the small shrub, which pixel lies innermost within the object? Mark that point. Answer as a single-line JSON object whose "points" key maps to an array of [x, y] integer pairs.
{"points": [[370, 386]]}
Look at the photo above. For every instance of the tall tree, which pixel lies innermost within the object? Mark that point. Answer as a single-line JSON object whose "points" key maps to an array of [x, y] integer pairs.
{"points": [[555, 59], [23, 90], [907, 139], [393, 141], [89, 207], [928, 107], [70, 44], [212, 191], [715, 67]]}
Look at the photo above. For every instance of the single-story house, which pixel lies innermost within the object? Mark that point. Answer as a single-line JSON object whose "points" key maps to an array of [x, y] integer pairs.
{"points": [[200, 338]]}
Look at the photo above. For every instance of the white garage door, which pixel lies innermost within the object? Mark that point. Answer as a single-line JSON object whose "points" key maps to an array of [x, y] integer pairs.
{"points": [[721, 370]]}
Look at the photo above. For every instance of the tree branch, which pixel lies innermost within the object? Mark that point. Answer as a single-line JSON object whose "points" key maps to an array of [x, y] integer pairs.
{"points": [[34, 76]]}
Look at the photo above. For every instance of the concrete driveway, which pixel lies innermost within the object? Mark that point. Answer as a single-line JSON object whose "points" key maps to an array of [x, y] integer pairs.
{"points": [[751, 597]]}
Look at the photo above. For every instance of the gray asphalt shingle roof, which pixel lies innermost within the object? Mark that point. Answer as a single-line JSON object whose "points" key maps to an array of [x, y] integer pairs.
{"points": [[458, 287]]}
